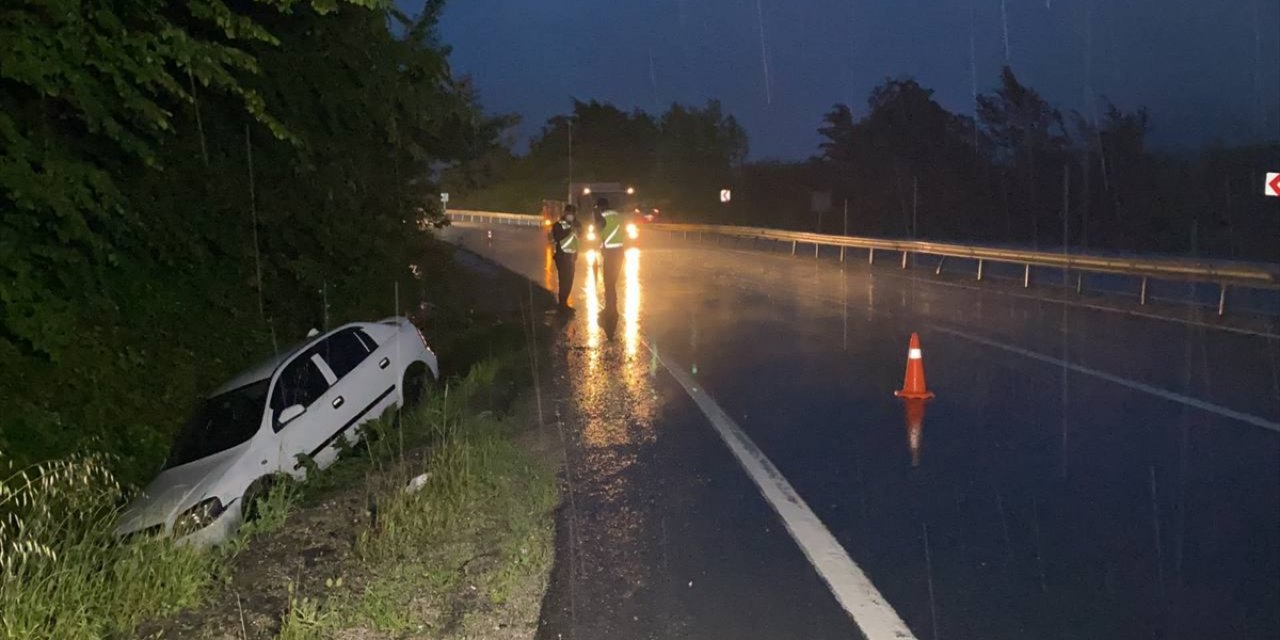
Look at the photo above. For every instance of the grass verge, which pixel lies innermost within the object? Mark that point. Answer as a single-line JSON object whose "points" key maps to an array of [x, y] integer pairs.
{"points": [[459, 528], [456, 539], [65, 575]]}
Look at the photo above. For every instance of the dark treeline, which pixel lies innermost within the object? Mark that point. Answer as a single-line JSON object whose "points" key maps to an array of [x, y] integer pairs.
{"points": [[680, 158], [186, 186], [1024, 172]]}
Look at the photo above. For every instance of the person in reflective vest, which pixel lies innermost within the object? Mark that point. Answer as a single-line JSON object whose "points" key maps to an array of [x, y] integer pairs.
{"points": [[611, 241], [564, 233]]}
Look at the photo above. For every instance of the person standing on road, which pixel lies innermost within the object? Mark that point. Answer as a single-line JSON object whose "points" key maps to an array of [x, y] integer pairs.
{"points": [[611, 236], [564, 233]]}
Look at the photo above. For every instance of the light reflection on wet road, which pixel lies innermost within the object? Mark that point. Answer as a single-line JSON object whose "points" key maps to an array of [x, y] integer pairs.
{"points": [[1056, 504]]}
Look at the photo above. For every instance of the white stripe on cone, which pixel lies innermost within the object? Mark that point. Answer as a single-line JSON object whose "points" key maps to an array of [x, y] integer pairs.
{"points": [[914, 354]]}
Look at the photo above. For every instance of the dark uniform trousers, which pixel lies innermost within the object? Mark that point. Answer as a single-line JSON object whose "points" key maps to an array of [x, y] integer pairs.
{"points": [[612, 259], [565, 264]]}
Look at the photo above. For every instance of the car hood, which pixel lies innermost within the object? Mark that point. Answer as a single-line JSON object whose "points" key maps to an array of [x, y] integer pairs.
{"points": [[177, 489]]}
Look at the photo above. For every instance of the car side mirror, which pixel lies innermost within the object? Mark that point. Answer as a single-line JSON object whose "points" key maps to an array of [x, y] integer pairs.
{"points": [[290, 413]]}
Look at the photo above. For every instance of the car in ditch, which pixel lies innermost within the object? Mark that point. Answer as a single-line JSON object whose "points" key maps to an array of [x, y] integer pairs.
{"points": [[276, 419]]}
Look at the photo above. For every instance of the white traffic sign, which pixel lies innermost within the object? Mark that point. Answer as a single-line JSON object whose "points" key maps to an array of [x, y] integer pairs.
{"points": [[725, 195], [1272, 188], [444, 197]]}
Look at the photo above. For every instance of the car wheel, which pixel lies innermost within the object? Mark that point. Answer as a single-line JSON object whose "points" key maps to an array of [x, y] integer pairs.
{"points": [[414, 385], [256, 497]]}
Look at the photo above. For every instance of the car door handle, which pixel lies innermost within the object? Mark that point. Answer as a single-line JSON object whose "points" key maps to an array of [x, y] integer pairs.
{"points": [[337, 402], [382, 364]]}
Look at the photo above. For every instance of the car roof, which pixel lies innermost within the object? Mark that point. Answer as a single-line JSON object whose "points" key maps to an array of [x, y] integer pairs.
{"points": [[264, 369]]}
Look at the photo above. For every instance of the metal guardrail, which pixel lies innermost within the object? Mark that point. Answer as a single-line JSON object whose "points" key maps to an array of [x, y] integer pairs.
{"points": [[518, 219], [1223, 274]]}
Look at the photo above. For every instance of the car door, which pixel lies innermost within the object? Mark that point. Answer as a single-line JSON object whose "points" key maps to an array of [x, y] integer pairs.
{"points": [[361, 389], [385, 375], [304, 382]]}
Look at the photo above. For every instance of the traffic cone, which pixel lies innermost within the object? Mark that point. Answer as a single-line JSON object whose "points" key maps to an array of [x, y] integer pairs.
{"points": [[913, 387]]}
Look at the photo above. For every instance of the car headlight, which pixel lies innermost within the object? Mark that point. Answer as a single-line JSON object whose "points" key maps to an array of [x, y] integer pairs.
{"points": [[198, 517], [632, 231]]}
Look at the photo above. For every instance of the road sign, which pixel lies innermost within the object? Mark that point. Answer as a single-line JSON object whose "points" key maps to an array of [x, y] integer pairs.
{"points": [[820, 201], [725, 195], [1272, 188], [444, 197]]}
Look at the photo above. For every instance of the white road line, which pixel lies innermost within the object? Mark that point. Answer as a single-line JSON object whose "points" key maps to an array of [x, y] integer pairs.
{"points": [[851, 587], [1124, 382]]}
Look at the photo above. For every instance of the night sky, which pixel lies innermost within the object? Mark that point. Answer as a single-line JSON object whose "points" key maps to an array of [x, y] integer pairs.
{"points": [[1201, 67]]}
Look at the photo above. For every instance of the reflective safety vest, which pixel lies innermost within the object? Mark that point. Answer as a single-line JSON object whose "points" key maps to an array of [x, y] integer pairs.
{"points": [[612, 232], [569, 243]]}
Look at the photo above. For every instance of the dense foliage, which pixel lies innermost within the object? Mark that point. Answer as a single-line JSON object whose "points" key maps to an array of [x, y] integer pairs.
{"points": [[1020, 171], [186, 186]]}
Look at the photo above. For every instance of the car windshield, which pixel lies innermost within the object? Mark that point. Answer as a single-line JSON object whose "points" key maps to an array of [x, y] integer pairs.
{"points": [[221, 422]]}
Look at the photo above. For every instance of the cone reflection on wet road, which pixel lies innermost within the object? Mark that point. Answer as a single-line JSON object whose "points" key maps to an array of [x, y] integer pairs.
{"points": [[914, 421]]}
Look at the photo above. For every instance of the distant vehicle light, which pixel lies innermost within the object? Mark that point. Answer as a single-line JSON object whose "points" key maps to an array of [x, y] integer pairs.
{"points": [[591, 232], [632, 231], [586, 191], [631, 191]]}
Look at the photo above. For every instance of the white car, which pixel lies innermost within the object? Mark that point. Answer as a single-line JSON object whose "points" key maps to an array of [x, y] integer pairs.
{"points": [[262, 423]]}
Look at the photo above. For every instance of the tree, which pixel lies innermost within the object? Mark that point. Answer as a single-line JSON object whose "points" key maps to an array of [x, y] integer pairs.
{"points": [[1028, 138], [185, 186], [838, 130], [879, 163], [697, 152]]}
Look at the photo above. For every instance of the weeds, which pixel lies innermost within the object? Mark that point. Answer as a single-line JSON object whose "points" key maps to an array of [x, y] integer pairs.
{"points": [[478, 495], [65, 574]]}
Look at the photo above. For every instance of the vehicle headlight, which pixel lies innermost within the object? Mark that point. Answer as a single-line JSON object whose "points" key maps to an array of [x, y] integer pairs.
{"points": [[632, 231], [198, 517]]}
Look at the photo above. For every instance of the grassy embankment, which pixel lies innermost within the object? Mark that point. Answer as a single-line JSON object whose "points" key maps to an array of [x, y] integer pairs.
{"points": [[481, 515]]}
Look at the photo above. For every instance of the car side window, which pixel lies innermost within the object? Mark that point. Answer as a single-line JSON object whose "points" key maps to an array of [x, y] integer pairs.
{"points": [[300, 383], [369, 342], [343, 352]]}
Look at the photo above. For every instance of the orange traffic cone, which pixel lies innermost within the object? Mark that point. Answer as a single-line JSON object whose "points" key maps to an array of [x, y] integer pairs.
{"points": [[913, 387]]}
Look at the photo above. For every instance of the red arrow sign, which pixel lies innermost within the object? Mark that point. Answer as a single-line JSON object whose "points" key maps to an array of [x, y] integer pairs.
{"points": [[1273, 185]]}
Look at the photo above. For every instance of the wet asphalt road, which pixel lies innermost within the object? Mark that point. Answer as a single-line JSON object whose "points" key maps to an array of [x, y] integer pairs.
{"points": [[1070, 478]]}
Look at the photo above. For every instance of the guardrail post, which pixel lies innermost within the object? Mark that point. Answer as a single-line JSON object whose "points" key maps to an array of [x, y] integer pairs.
{"points": [[1142, 297], [1222, 300], [841, 254], [941, 261], [904, 259], [815, 250], [1079, 283], [793, 247], [980, 262], [1026, 277], [871, 256]]}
